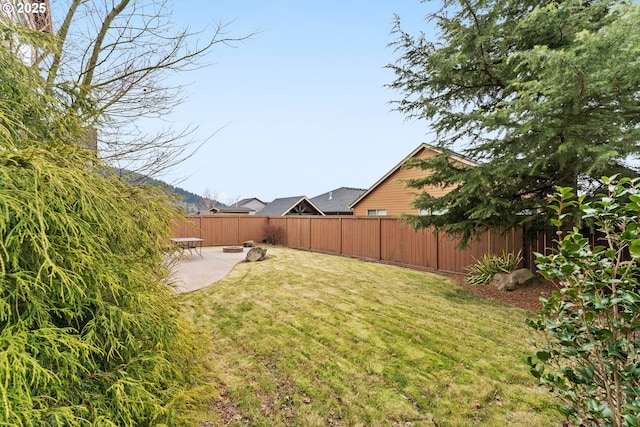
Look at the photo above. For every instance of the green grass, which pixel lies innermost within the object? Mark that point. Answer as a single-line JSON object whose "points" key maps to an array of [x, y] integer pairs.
{"points": [[305, 339]]}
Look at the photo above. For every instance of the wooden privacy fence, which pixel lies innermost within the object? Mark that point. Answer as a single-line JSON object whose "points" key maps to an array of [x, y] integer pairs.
{"points": [[383, 239]]}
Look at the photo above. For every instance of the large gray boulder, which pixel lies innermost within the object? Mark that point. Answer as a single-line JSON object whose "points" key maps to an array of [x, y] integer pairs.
{"points": [[520, 278], [500, 280], [256, 254]]}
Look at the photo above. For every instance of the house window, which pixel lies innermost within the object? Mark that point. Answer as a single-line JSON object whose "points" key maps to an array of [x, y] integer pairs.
{"points": [[429, 212], [374, 212]]}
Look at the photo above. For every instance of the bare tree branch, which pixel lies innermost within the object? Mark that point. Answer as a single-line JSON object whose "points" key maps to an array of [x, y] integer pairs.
{"points": [[112, 66]]}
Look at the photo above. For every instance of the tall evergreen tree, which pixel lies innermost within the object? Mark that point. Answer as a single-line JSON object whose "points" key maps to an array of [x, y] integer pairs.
{"points": [[540, 94]]}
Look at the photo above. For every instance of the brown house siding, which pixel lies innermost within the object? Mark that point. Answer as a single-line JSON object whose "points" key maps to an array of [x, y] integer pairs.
{"points": [[393, 195]]}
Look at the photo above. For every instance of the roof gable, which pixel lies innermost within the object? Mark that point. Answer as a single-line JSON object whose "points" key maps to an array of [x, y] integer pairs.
{"points": [[421, 148], [298, 205]]}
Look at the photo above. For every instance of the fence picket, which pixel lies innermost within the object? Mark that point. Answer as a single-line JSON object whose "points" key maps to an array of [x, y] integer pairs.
{"points": [[384, 239]]}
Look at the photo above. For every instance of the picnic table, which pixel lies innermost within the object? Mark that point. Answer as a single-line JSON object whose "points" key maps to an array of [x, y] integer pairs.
{"points": [[189, 243]]}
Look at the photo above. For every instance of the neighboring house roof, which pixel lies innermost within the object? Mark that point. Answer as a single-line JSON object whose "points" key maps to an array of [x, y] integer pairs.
{"points": [[414, 153], [252, 203], [231, 209], [337, 201], [248, 200], [298, 205]]}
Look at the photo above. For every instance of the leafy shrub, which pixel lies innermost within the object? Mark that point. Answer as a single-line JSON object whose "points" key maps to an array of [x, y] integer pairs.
{"points": [[591, 358], [481, 272], [90, 334], [273, 234]]}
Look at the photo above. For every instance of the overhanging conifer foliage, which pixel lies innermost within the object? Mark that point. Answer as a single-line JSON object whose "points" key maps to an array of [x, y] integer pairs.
{"points": [[90, 334], [541, 94]]}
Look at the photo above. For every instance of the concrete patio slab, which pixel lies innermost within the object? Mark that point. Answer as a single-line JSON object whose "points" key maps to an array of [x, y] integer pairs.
{"points": [[191, 272]]}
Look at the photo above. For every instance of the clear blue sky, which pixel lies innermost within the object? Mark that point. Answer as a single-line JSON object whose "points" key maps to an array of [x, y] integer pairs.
{"points": [[302, 104]]}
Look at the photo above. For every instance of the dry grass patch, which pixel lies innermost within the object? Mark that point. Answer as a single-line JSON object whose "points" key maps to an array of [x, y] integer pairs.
{"points": [[310, 339]]}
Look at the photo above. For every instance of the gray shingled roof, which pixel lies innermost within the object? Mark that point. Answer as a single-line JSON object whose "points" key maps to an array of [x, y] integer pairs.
{"points": [[247, 200], [230, 209], [284, 205], [338, 200]]}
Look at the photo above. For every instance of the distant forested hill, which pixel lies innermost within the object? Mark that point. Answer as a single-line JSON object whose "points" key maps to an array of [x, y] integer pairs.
{"points": [[192, 203]]}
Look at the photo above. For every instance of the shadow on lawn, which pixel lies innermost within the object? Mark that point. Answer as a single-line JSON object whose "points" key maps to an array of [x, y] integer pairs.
{"points": [[465, 296]]}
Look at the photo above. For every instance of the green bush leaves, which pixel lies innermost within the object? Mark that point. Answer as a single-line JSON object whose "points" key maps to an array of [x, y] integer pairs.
{"points": [[592, 355]]}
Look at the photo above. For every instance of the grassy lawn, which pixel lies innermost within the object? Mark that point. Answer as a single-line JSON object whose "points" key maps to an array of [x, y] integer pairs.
{"points": [[305, 339]]}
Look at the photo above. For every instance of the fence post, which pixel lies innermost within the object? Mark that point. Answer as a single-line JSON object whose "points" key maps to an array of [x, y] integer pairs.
{"points": [[437, 248], [340, 241], [379, 238]]}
